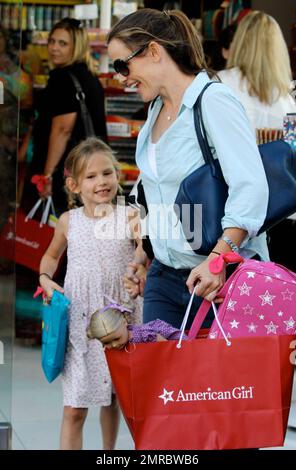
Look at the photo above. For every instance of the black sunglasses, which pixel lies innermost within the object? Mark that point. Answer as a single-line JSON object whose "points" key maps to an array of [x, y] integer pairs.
{"points": [[121, 66]]}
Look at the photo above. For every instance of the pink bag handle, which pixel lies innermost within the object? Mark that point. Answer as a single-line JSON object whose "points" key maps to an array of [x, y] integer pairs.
{"points": [[199, 318]]}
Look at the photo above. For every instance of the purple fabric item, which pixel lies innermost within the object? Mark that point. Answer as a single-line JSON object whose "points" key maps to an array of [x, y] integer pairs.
{"points": [[147, 332]]}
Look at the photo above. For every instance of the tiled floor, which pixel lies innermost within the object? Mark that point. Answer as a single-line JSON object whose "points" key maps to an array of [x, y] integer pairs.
{"points": [[37, 409]]}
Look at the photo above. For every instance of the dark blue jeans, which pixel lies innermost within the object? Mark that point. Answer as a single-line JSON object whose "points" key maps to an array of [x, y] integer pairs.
{"points": [[166, 296]]}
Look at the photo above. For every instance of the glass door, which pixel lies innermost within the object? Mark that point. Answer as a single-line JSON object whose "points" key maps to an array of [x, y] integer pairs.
{"points": [[10, 96]]}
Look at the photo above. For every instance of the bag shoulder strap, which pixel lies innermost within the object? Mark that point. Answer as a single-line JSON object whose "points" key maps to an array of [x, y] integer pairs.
{"points": [[85, 116], [200, 127]]}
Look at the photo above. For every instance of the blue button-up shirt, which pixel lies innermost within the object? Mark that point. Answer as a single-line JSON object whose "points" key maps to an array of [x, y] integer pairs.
{"points": [[178, 154]]}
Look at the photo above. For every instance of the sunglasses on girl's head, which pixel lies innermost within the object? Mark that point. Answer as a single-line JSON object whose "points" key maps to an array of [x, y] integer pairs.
{"points": [[121, 66]]}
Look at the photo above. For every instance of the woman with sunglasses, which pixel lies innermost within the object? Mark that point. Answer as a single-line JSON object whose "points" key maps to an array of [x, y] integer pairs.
{"points": [[160, 55], [59, 126]]}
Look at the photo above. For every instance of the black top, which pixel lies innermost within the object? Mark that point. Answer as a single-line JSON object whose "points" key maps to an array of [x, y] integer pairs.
{"points": [[58, 98]]}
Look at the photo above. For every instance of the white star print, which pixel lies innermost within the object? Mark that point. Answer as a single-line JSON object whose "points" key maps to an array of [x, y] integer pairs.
{"points": [[280, 314], [268, 279], [231, 304], [271, 328], [234, 323], [261, 317], [166, 396], [250, 274], [289, 323], [248, 310], [245, 289], [287, 295], [266, 298], [252, 328]]}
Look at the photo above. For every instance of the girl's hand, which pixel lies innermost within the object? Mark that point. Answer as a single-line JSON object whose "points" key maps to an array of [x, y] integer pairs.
{"points": [[49, 286], [207, 284], [134, 279], [47, 189]]}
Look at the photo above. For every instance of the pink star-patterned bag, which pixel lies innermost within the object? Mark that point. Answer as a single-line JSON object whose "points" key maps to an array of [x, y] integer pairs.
{"points": [[259, 300]]}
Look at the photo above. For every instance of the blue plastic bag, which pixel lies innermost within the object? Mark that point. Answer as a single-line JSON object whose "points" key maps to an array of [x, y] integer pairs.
{"points": [[54, 335]]}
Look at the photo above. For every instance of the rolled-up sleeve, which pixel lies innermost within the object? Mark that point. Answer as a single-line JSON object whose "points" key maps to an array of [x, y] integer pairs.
{"points": [[231, 137]]}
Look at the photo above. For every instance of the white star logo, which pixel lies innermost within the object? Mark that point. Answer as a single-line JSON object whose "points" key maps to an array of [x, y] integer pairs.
{"points": [[166, 396], [234, 323], [289, 323], [248, 310], [252, 328], [231, 304], [280, 313], [251, 274], [267, 298], [244, 289], [271, 328], [268, 279], [261, 317], [287, 295]]}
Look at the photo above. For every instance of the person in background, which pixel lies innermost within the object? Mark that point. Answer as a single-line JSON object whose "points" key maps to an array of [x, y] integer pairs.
{"points": [[160, 55], [99, 237], [259, 72], [225, 40], [59, 126], [216, 52]]}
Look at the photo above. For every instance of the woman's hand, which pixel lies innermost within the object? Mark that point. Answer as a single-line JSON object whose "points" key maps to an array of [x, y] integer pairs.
{"points": [[207, 285], [48, 286], [134, 279]]}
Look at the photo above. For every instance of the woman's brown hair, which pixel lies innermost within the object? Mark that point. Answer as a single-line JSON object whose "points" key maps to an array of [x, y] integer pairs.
{"points": [[171, 29]]}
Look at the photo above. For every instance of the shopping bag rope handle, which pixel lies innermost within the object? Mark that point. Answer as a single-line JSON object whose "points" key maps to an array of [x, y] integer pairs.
{"points": [[185, 319], [199, 318], [49, 205]]}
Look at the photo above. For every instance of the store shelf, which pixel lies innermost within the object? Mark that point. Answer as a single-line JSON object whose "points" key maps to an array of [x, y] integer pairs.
{"points": [[95, 36]]}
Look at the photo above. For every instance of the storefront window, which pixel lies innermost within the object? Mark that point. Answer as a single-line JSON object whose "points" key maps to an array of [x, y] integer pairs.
{"points": [[10, 96]]}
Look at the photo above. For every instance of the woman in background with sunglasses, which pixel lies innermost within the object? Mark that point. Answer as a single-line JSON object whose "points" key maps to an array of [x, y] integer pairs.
{"points": [[160, 55], [59, 126]]}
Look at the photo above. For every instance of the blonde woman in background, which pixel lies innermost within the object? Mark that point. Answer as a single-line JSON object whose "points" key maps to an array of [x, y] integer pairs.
{"points": [[59, 125], [258, 70]]}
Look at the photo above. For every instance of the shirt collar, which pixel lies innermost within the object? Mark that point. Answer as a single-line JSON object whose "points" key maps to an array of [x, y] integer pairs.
{"points": [[194, 89]]}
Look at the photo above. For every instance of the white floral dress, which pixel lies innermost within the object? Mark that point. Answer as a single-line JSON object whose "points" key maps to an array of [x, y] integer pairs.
{"points": [[98, 253]]}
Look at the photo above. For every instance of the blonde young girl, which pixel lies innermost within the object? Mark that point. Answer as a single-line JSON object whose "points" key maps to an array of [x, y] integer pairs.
{"points": [[99, 247]]}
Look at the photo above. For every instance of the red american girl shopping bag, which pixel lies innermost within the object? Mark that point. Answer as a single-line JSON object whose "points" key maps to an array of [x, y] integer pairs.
{"points": [[26, 240], [205, 395]]}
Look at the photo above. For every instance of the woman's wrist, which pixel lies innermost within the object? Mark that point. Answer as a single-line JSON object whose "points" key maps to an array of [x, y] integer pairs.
{"points": [[231, 244]]}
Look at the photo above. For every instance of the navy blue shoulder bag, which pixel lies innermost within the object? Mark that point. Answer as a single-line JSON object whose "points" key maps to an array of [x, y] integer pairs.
{"points": [[206, 186]]}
